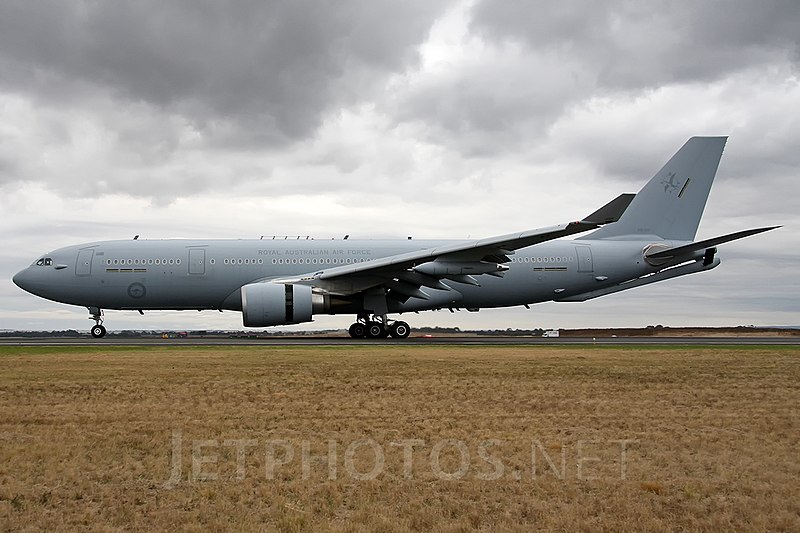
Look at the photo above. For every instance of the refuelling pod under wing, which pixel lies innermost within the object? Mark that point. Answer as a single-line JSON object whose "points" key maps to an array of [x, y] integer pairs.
{"points": [[275, 304]]}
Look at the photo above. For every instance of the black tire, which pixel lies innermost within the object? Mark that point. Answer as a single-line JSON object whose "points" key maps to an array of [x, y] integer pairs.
{"points": [[98, 331], [375, 330], [357, 330], [400, 330]]}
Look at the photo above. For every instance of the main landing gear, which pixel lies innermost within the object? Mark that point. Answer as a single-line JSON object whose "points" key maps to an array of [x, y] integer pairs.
{"points": [[378, 327], [98, 330]]}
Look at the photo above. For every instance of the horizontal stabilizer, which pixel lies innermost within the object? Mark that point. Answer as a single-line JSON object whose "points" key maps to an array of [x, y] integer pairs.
{"points": [[689, 249], [612, 211]]}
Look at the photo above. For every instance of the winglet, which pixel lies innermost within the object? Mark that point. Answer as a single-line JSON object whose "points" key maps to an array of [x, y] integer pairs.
{"points": [[612, 211]]}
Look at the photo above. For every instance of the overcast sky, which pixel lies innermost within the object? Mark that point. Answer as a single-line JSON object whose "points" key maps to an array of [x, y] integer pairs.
{"points": [[437, 119]]}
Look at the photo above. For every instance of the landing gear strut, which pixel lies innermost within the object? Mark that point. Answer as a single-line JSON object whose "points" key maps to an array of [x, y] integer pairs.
{"points": [[378, 327], [98, 330]]}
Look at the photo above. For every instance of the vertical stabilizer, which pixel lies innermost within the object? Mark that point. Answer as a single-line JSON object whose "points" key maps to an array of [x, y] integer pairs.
{"points": [[670, 205]]}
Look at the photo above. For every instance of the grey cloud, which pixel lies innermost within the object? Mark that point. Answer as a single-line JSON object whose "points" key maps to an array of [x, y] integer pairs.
{"points": [[8, 169], [548, 58], [484, 108], [644, 44], [264, 71]]}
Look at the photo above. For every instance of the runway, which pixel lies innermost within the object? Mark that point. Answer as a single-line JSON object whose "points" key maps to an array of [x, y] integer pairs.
{"points": [[411, 341]]}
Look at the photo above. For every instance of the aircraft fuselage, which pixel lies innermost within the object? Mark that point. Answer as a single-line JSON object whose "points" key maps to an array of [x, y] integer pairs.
{"points": [[208, 274]]}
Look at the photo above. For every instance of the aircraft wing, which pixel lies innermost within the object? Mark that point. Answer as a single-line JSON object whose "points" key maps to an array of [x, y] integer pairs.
{"points": [[406, 273]]}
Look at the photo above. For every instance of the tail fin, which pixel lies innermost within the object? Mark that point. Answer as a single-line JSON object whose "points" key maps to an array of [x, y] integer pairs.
{"points": [[670, 205]]}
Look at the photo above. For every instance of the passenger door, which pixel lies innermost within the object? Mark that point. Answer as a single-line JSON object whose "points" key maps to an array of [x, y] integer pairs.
{"points": [[84, 265], [585, 263], [197, 261]]}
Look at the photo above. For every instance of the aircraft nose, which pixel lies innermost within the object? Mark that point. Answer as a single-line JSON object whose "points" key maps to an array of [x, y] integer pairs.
{"points": [[22, 279]]}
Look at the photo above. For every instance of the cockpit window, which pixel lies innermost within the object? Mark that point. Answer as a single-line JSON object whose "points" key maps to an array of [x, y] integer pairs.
{"points": [[44, 261], [40, 262]]}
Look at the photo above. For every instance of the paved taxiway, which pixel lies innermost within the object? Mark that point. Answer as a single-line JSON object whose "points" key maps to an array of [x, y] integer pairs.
{"points": [[411, 341]]}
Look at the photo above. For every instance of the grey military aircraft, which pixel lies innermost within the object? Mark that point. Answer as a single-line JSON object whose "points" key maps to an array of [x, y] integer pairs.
{"points": [[637, 240]]}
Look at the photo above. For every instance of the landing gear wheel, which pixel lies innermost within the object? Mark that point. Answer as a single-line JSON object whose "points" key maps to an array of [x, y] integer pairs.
{"points": [[357, 330], [375, 330], [400, 330], [98, 331]]}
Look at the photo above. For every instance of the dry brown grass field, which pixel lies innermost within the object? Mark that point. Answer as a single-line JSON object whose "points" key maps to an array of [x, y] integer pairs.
{"points": [[400, 439]]}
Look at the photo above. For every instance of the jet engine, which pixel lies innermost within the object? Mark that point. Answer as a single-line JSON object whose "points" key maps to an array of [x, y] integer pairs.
{"points": [[274, 304]]}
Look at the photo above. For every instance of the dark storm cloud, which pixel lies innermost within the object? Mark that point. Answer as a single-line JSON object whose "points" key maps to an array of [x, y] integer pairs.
{"points": [[644, 44], [483, 106], [266, 70], [545, 59]]}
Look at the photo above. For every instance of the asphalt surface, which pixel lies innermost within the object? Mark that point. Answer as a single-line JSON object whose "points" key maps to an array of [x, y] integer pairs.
{"points": [[411, 341]]}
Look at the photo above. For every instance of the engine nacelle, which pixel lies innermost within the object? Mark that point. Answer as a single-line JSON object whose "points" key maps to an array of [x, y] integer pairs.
{"points": [[275, 304]]}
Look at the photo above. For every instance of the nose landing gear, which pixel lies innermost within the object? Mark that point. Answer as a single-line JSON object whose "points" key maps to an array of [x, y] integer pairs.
{"points": [[98, 331]]}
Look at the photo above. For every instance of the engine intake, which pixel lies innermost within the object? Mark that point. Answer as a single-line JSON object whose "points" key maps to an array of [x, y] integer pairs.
{"points": [[274, 304]]}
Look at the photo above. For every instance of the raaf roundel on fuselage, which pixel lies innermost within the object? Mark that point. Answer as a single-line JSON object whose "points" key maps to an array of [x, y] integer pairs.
{"points": [[637, 240]]}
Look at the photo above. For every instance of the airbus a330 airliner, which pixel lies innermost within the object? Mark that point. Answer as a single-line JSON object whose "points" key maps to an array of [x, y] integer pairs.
{"points": [[637, 240]]}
